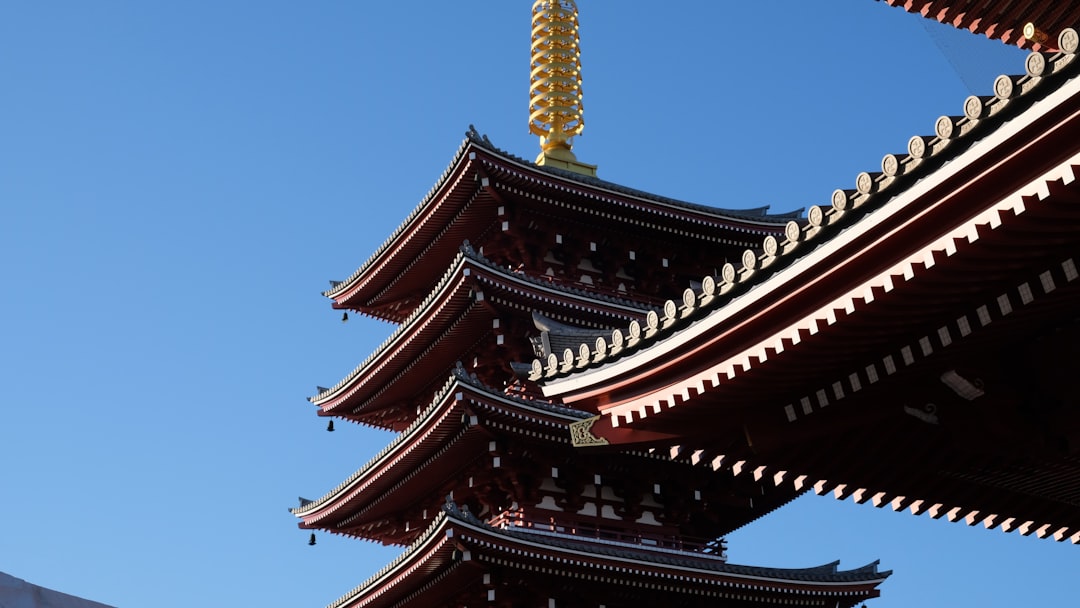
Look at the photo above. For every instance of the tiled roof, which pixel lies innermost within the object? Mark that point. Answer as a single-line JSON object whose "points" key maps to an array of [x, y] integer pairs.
{"points": [[754, 214], [952, 136], [826, 573], [337, 287], [428, 537], [402, 329], [468, 254], [457, 378], [474, 140], [457, 524], [556, 285]]}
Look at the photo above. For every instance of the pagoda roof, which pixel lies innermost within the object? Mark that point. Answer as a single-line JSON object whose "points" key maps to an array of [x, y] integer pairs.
{"points": [[958, 141], [425, 444], [463, 303], [440, 444], [999, 20], [755, 215], [977, 221], [465, 203], [456, 540]]}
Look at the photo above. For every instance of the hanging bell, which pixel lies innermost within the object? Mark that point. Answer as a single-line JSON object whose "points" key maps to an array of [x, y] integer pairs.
{"points": [[311, 541], [344, 317], [330, 427]]}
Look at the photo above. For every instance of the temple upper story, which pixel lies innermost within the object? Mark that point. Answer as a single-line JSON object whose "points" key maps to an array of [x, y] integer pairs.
{"points": [[509, 459], [548, 222]]}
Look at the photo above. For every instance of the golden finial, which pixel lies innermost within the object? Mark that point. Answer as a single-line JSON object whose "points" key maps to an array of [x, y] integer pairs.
{"points": [[555, 112]]}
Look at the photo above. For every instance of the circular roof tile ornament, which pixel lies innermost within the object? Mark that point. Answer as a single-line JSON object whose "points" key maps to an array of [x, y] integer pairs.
{"points": [[1004, 87], [945, 128], [890, 165], [708, 286], [652, 320], [974, 107], [552, 363], [689, 298], [568, 357], [1069, 41], [839, 200], [601, 346], [728, 273], [770, 245], [1035, 64], [671, 310], [749, 259], [792, 231], [916, 146], [864, 183], [537, 369], [635, 330], [616, 339], [583, 352], [816, 216]]}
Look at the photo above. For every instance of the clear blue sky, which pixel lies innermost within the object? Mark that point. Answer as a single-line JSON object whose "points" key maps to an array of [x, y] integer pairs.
{"points": [[179, 181]]}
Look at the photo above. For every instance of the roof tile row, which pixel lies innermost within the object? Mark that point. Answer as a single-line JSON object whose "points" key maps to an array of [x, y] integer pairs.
{"points": [[456, 379], [953, 134], [466, 253]]}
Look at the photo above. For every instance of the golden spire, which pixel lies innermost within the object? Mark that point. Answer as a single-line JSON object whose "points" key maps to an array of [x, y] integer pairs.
{"points": [[555, 112]]}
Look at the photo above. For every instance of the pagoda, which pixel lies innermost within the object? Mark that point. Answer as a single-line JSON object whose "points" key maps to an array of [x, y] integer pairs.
{"points": [[922, 324], [506, 261]]}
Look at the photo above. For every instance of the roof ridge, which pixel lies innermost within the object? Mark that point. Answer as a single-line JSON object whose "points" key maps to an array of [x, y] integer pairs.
{"points": [[757, 213], [423, 416], [546, 323], [472, 254], [336, 287], [421, 540], [953, 135], [458, 376], [824, 573], [465, 252], [475, 138], [471, 379], [420, 308]]}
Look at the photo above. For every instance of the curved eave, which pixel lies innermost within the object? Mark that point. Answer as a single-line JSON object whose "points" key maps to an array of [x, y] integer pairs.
{"points": [[644, 562], [434, 430], [998, 20], [625, 206], [552, 296], [436, 301], [645, 199], [456, 540], [839, 389], [428, 555], [445, 218], [434, 211], [838, 241], [451, 310]]}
